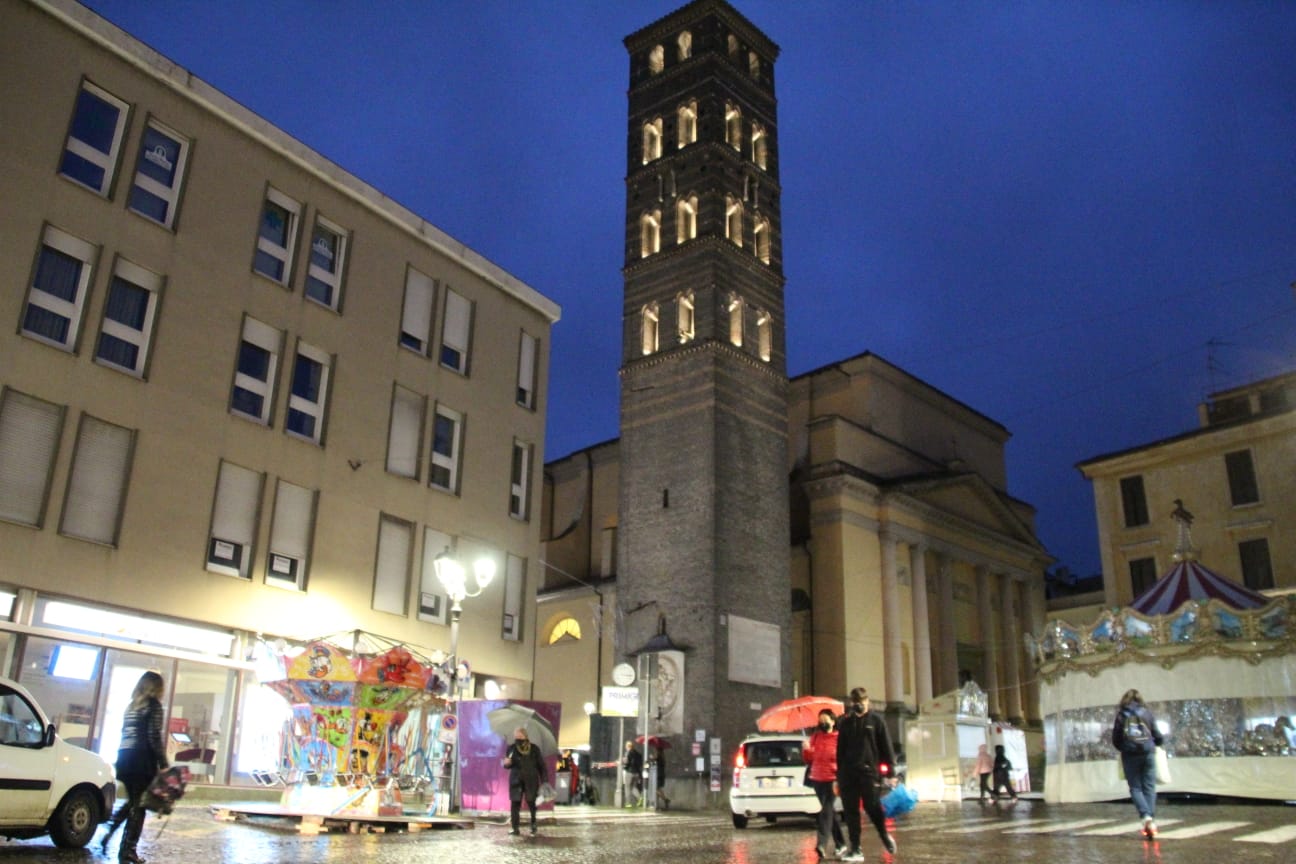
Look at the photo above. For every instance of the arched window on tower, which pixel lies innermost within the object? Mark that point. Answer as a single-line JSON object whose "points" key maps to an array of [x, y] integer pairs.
{"points": [[758, 140], [753, 64], [652, 140], [734, 306], [685, 45], [734, 220], [684, 317], [764, 335], [762, 240], [649, 327], [733, 45], [688, 123], [733, 126], [649, 233], [656, 59], [686, 218]]}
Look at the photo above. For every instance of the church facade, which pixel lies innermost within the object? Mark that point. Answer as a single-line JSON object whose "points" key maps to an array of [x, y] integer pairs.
{"points": [[750, 537]]}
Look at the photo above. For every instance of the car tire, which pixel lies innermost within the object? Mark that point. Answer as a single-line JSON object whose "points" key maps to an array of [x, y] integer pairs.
{"points": [[74, 822], [739, 820]]}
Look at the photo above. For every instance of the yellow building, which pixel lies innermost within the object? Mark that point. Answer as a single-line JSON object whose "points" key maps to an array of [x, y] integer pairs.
{"points": [[1234, 473], [912, 567], [243, 396]]}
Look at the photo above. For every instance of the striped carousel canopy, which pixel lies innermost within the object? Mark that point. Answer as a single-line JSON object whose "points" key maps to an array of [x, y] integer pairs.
{"points": [[1189, 580]]}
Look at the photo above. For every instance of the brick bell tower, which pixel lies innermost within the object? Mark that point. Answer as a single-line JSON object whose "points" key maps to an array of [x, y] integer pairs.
{"points": [[703, 556]]}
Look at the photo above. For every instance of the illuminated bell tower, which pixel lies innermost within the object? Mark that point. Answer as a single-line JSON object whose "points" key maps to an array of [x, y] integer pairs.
{"points": [[703, 557]]}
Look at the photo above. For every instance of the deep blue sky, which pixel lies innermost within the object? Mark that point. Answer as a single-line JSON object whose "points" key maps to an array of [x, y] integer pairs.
{"points": [[1051, 211]]}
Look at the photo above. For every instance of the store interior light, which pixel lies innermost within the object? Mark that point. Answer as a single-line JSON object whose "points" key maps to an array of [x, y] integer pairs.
{"points": [[87, 619]]}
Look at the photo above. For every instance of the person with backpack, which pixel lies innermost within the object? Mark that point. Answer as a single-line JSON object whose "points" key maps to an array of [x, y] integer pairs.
{"points": [[1136, 736]]}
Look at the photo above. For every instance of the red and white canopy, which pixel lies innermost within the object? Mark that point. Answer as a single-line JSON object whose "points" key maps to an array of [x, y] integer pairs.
{"points": [[1189, 580]]}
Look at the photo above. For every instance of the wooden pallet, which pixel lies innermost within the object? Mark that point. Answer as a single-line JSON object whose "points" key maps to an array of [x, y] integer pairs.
{"points": [[323, 823]]}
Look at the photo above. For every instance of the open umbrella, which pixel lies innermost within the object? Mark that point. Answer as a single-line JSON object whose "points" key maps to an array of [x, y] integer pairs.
{"points": [[794, 715], [504, 721], [654, 742]]}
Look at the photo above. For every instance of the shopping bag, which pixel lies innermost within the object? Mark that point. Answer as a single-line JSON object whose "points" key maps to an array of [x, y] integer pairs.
{"points": [[166, 788], [1162, 766], [1120, 769], [899, 801], [545, 793]]}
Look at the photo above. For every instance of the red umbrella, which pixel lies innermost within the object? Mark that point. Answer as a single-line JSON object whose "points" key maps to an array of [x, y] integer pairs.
{"points": [[794, 715], [654, 742]]}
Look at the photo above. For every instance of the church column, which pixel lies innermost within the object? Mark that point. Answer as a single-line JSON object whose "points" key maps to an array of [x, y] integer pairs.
{"points": [[891, 653], [949, 677], [1033, 599], [989, 634], [1011, 702], [921, 623]]}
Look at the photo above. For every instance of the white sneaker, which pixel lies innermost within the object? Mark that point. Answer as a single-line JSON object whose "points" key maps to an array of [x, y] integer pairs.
{"points": [[853, 855], [1149, 828]]}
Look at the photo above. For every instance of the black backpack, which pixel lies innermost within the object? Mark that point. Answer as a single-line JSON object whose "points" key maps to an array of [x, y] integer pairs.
{"points": [[1137, 733]]}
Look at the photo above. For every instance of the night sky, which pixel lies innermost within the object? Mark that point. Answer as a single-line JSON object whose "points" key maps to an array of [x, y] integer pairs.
{"points": [[1078, 218]]}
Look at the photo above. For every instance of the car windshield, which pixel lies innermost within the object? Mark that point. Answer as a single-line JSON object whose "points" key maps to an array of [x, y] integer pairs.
{"points": [[769, 754]]}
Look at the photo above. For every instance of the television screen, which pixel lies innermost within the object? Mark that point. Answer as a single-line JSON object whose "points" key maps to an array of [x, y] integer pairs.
{"points": [[74, 661]]}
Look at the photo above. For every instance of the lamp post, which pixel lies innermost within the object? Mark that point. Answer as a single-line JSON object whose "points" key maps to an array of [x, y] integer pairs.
{"points": [[454, 579]]}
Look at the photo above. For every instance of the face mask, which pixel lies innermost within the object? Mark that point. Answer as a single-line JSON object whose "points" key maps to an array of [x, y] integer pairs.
{"points": [[857, 707], [825, 725]]}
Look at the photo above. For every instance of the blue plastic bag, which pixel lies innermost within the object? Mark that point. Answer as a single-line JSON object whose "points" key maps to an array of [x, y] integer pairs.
{"points": [[899, 801]]}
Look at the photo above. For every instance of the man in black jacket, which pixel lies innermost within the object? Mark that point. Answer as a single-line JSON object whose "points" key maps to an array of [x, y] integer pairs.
{"points": [[863, 746]]}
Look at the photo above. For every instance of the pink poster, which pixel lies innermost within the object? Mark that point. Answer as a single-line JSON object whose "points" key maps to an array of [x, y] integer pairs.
{"points": [[486, 729]]}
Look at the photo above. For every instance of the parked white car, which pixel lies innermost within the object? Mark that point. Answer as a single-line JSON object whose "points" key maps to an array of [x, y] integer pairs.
{"points": [[47, 786], [769, 780]]}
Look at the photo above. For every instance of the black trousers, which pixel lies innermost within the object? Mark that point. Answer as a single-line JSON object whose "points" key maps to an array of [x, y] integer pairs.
{"points": [[857, 791]]}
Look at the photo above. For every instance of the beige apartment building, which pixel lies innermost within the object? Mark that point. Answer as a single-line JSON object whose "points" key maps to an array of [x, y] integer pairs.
{"points": [[1234, 474], [244, 396]]}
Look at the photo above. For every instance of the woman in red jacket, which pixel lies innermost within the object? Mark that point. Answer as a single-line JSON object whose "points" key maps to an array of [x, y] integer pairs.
{"points": [[821, 775]]}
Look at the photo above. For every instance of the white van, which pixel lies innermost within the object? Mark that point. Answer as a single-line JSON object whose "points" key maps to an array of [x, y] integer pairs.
{"points": [[47, 786], [769, 780]]}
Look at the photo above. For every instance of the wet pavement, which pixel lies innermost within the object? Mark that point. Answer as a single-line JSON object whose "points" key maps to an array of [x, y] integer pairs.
{"points": [[1029, 831]]}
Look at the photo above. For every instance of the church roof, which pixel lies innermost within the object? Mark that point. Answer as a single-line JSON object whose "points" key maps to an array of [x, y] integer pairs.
{"points": [[1189, 580]]}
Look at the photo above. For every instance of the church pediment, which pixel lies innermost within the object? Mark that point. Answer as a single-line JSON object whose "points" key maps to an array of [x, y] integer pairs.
{"points": [[968, 498]]}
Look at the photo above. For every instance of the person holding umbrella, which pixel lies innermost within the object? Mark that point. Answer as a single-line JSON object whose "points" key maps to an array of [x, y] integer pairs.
{"points": [[526, 773], [820, 754]]}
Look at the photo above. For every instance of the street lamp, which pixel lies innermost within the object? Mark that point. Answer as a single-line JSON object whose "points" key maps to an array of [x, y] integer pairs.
{"points": [[454, 579]]}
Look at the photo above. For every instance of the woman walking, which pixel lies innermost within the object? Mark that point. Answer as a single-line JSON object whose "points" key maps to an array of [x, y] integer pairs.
{"points": [[526, 773], [821, 755], [140, 757], [1136, 736]]}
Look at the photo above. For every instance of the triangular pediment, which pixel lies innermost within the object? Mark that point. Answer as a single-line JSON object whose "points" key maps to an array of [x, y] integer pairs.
{"points": [[967, 497]]}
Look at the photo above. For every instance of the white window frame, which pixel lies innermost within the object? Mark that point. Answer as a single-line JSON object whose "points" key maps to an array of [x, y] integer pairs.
{"points": [[283, 254], [528, 363], [236, 506], [405, 432], [142, 338], [735, 306], [433, 605], [687, 124], [764, 335], [650, 328], [269, 339], [97, 481], [686, 218], [685, 317], [170, 195], [520, 480], [73, 247], [333, 281], [416, 312], [30, 431], [318, 408], [292, 534], [649, 233], [456, 331], [392, 565], [652, 140], [105, 161], [451, 461]]}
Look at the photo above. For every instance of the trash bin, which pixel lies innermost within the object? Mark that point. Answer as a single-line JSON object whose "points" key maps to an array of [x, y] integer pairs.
{"points": [[563, 788]]}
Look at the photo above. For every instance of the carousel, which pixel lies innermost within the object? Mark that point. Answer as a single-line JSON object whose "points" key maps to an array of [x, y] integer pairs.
{"points": [[1216, 663]]}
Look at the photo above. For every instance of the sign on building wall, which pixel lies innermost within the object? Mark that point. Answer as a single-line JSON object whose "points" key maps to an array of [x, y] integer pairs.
{"points": [[619, 702], [755, 655]]}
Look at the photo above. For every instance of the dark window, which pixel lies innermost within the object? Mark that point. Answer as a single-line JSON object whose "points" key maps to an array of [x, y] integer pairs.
{"points": [[1134, 501], [1241, 478], [1142, 574], [1257, 571]]}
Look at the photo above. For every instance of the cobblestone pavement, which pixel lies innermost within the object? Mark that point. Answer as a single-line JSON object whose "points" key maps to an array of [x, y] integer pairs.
{"points": [[1029, 831]]}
